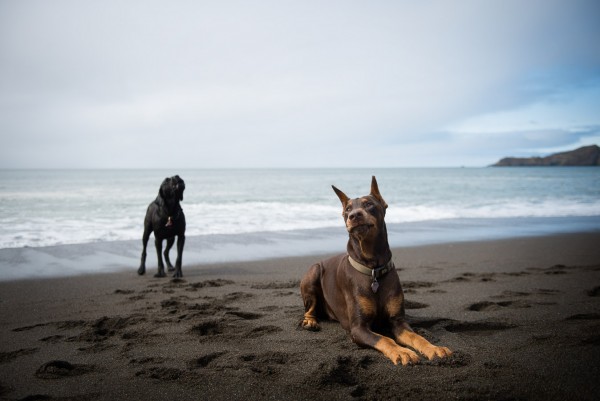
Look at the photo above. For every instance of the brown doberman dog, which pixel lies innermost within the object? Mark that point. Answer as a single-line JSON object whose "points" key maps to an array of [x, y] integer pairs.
{"points": [[361, 289]]}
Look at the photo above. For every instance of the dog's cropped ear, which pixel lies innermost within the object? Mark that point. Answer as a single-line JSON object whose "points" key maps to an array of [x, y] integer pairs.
{"points": [[160, 190], [179, 185], [375, 192], [343, 198]]}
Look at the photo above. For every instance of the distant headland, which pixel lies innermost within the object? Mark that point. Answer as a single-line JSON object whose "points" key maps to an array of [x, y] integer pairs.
{"points": [[585, 156]]}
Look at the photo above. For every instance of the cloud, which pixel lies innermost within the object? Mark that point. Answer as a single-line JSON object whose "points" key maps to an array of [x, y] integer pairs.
{"points": [[523, 141], [280, 83]]}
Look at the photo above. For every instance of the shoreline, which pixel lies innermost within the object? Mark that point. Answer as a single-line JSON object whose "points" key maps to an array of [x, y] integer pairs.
{"points": [[120, 256], [521, 315]]}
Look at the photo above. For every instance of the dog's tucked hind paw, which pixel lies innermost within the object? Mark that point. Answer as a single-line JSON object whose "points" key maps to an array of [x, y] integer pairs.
{"points": [[310, 323]]}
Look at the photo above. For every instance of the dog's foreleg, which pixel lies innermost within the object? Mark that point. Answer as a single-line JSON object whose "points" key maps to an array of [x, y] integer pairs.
{"points": [[170, 242], [363, 336], [161, 266], [406, 336], [178, 261], [145, 238]]}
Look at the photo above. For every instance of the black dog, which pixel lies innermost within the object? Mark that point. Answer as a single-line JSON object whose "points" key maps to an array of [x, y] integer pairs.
{"points": [[165, 217]]}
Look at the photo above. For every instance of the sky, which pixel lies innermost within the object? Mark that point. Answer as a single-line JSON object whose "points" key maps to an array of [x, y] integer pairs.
{"points": [[285, 84]]}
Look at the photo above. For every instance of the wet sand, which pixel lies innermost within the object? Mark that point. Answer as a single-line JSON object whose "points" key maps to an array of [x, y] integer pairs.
{"points": [[521, 315]]}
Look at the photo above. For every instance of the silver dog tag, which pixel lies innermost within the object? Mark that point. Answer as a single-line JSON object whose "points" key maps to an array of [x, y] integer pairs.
{"points": [[375, 286]]}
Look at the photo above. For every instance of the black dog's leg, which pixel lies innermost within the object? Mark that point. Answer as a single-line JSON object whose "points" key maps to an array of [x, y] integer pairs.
{"points": [[145, 238], [161, 266], [180, 244], [170, 242]]}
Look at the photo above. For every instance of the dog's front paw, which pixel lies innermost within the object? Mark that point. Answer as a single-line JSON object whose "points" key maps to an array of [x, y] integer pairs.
{"points": [[141, 270], [433, 351], [160, 274], [403, 355]]}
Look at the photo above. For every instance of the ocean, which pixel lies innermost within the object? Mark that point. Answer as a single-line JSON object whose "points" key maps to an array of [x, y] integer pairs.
{"points": [[95, 217]]}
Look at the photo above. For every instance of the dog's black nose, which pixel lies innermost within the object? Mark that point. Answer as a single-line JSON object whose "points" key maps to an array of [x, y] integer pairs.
{"points": [[357, 214]]}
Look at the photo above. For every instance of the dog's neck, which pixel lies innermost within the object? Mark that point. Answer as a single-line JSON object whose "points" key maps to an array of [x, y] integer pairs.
{"points": [[171, 208], [371, 250]]}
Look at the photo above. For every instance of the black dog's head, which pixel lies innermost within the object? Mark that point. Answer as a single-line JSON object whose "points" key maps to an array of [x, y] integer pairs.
{"points": [[171, 190], [363, 216]]}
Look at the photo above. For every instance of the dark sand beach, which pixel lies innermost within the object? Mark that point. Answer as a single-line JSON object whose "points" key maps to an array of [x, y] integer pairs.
{"points": [[521, 315]]}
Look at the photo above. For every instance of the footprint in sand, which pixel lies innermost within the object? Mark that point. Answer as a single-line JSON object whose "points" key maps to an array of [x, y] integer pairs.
{"points": [[556, 269], [344, 372], [509, 294], [245, 315], [262, 331], [594, 292], [9, 356], [236, 296], [458, 359], [411, 287], [52, 339], [269, 308], [35, 397], [414, 305], [417, 284], [27, 328], [594, 340], [205, 360], [478, 328], [277, 285], [60, 369], [208, 328], [146, 360], [469, 277], [486, 306], [105, 327], [208, 283], [268, 363], [160, 373], [585, 316], [424, 323]]}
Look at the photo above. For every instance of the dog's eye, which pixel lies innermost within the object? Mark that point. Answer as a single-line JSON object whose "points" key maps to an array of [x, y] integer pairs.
{"points": [[348, 209], [369, 205]]}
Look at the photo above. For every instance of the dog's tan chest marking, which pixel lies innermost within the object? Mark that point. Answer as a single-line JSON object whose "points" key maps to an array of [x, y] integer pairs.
{"points": [[367, 307], [393, 305]]}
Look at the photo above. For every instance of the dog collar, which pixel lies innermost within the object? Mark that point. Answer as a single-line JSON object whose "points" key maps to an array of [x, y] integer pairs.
{"points": [[374, 273]]}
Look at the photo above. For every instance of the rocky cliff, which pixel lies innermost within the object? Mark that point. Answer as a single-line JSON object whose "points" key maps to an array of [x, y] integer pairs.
{"points": [[585, 156]]}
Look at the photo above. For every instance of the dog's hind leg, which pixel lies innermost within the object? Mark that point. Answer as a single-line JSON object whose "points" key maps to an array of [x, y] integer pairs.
{"points": [[145, 238], [161, 266], [312, 295], [170, 242], [178, 261]]}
